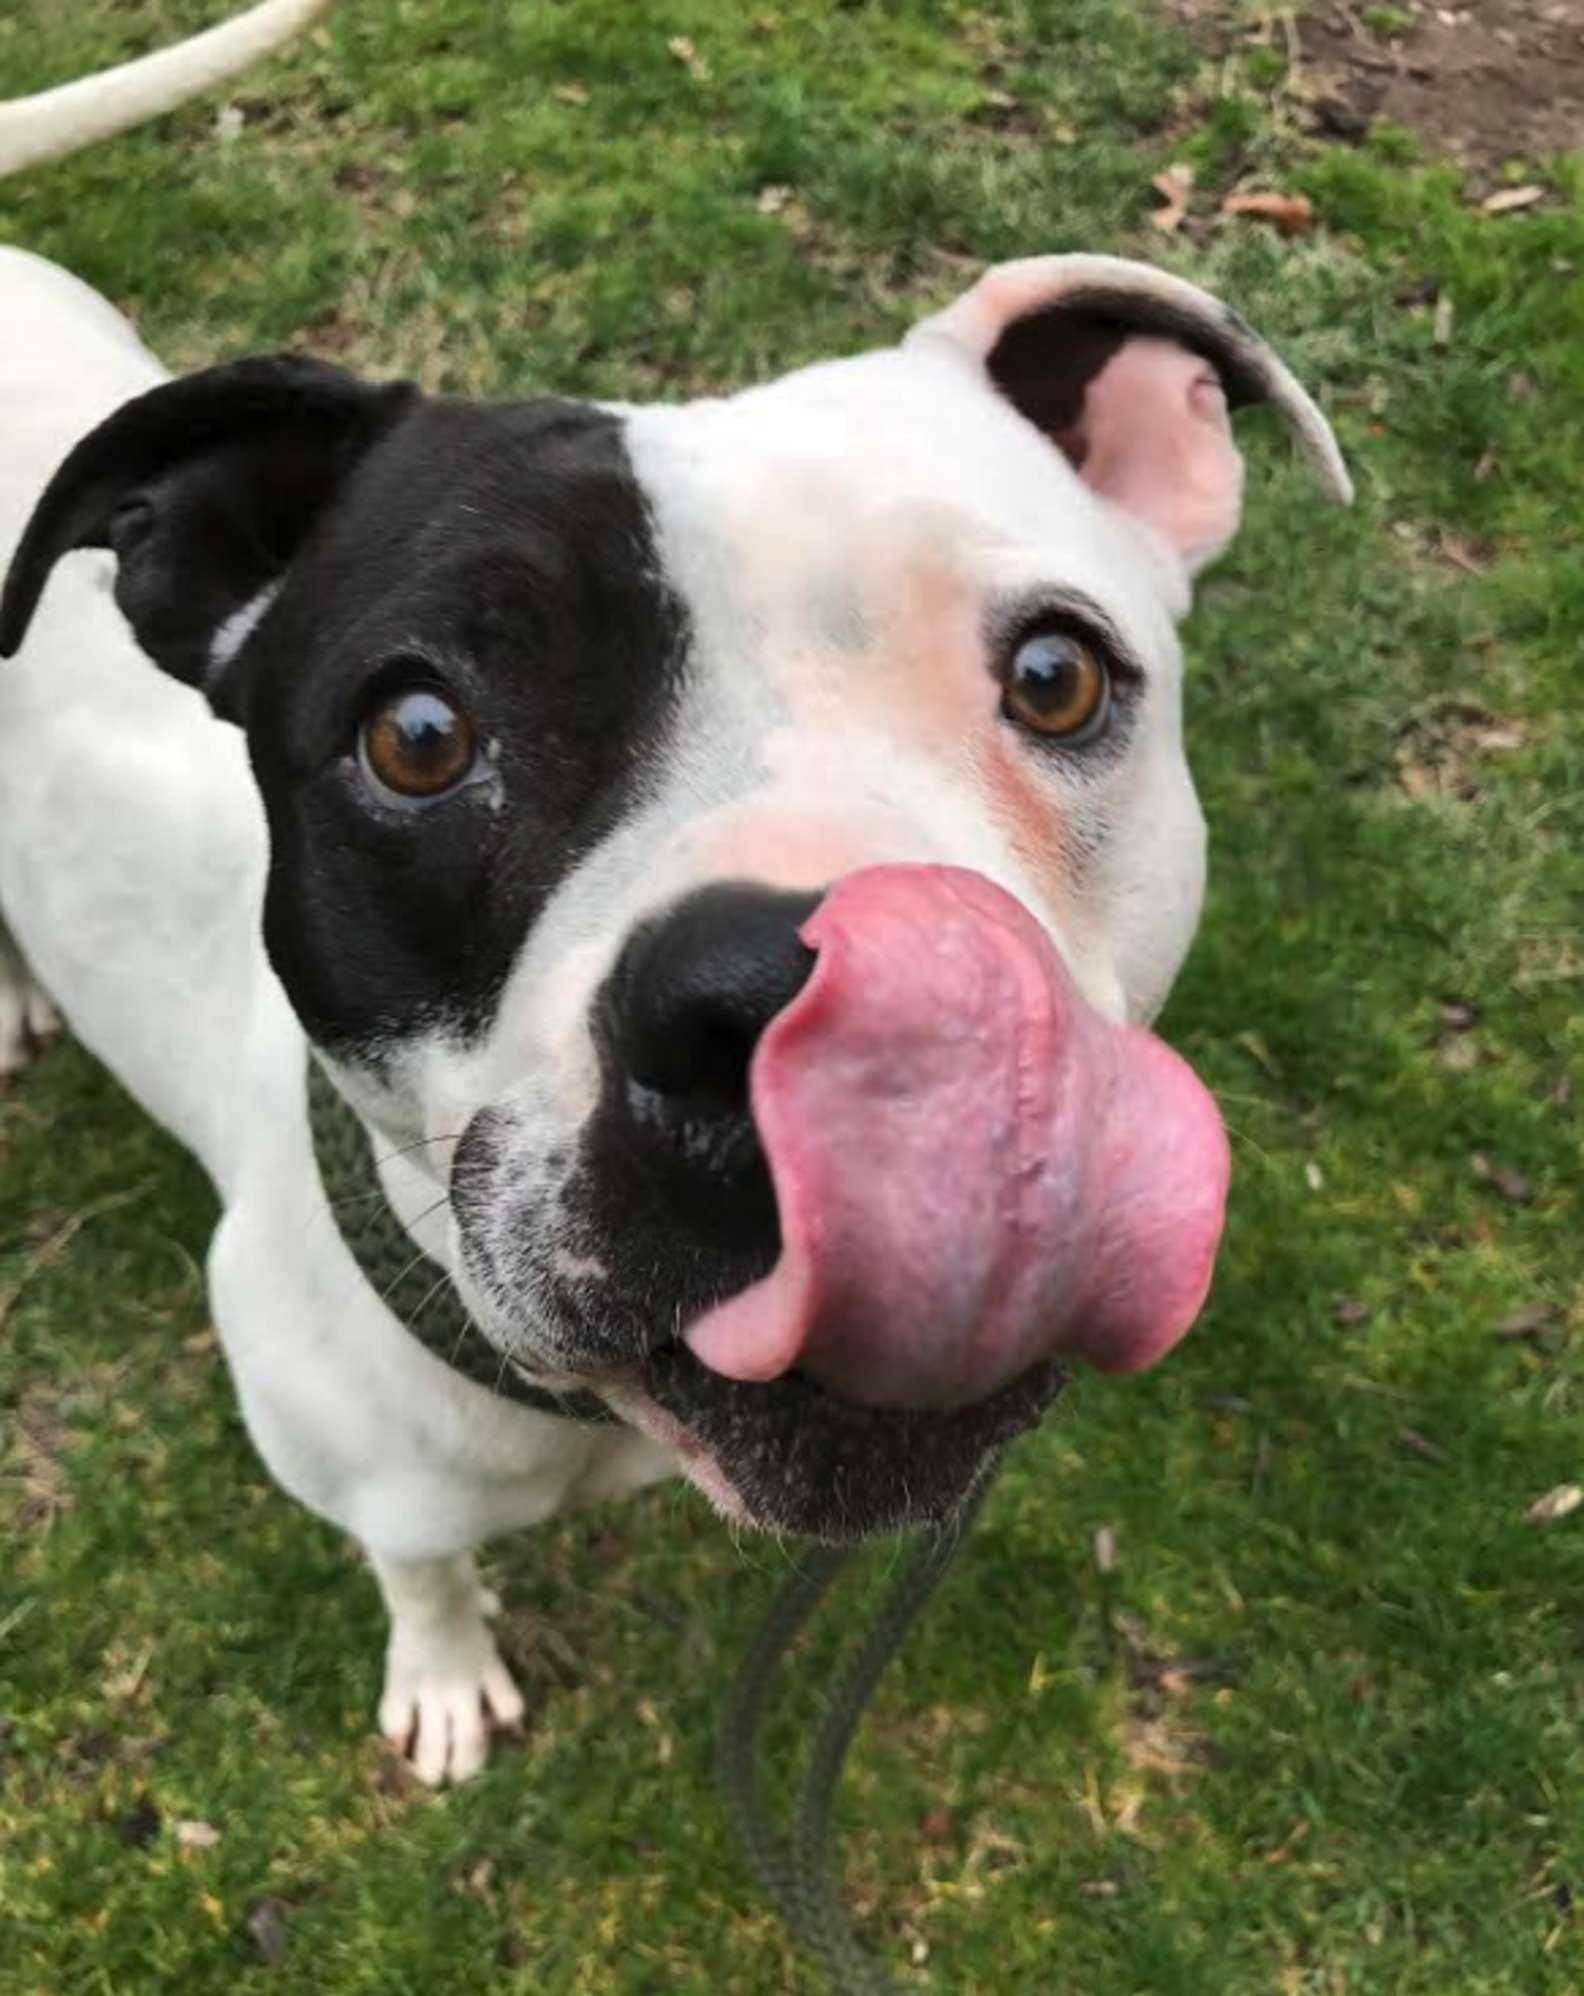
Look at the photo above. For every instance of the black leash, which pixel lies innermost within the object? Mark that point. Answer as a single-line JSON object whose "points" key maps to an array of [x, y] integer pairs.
{"points": [[799, 1870]]}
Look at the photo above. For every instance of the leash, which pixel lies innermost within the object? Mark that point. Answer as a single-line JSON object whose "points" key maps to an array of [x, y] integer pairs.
{"points": [[798, 1870]]}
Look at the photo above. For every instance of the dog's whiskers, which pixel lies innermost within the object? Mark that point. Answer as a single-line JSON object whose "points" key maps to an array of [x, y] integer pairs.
{"points": [[421, 1143], [411, 1320], [418, 1255]]}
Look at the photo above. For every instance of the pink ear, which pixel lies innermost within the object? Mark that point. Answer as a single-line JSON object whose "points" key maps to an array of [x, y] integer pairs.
{"points": [[1152, 436], [1129, 370]]}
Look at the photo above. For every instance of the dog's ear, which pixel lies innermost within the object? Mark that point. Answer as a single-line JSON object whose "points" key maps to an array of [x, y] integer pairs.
{"points": [[205, 489], [1131, 371]]}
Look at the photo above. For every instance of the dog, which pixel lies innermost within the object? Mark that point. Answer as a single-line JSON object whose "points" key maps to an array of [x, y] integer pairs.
{"points": [[719, 862]]}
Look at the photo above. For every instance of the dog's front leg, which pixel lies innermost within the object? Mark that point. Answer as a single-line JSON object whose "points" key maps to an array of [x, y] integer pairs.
{"points": [[444, 1678]]}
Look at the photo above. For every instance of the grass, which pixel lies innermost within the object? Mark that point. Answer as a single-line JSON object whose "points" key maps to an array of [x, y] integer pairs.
{"points": [[1319, 1731]]}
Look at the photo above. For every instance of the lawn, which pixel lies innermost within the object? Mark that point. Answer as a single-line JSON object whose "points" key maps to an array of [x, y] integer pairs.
{"points": [[1319, 1728]]}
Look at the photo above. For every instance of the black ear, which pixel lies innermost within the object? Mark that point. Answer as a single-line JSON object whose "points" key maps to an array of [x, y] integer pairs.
{"points": [[205, 489]]}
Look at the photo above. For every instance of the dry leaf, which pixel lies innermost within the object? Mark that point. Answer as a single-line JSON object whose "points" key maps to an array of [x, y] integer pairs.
{"points": [[1153, 1747], [1295, 1836], [570, 93], [1441, 330], [1292, 213], [1500, 733], [1554, 1504], [124, 1678], [1462, 553], [685, 50], [1174, 184], [1513, 1186], [265, 1924], [1253, 1043], [1437, 751], [197, 1836], [1525, 1321], [1510, 199], [773, 199], [1105, 1549]]}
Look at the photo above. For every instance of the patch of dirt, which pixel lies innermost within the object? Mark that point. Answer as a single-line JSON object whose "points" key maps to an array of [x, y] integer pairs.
{"points": [[1485, 81]]}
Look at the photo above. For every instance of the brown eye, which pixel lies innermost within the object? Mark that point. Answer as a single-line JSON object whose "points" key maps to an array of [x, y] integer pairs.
{"points": [[418, 743], [1057, 686]]}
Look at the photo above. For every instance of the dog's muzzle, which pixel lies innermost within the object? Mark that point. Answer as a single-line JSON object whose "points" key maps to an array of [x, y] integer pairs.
{"points": [[866, 1170]]}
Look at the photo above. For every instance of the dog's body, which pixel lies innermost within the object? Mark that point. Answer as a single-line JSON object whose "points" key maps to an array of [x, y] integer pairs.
{"points": [[751, 641]]}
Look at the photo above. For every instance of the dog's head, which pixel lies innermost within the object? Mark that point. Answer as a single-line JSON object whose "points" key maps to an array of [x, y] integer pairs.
{"points": [[738, 846]]}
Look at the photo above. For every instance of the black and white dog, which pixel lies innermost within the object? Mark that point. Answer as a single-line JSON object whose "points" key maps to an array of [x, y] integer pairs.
{"points": [[724, 854]]}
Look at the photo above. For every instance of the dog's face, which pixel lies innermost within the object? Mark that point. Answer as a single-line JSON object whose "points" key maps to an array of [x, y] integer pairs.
{"points": [[738, 846]]}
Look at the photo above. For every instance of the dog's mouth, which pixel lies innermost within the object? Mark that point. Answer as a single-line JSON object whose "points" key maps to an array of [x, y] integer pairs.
{"points": [[975, 1179], [791, 1456]]}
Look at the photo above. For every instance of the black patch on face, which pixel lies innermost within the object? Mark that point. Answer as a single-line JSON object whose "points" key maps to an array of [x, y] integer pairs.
{"points": [[667, 1243], [506, 555]]}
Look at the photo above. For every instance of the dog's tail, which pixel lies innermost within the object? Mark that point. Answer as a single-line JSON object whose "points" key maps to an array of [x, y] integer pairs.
{"points": [[60, 121]]}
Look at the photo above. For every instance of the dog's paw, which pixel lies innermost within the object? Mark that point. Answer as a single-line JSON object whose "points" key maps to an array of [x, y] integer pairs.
{"points": [[445, 1683], [28, 1021]]}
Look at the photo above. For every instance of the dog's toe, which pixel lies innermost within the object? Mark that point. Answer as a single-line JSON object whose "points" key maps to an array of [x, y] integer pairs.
{"points": [[39, 1017], [451, 1742], [27, 1018], [505, 1700]]}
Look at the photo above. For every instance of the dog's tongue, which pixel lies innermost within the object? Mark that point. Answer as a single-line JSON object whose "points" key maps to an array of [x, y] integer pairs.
{"points": [[974, 1170]]}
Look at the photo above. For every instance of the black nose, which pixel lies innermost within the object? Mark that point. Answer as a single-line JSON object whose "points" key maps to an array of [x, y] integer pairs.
{"points": [[693, 990]]}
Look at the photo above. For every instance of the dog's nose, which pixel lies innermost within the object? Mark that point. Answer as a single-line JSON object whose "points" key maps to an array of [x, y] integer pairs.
{"points": [[693, 990]]}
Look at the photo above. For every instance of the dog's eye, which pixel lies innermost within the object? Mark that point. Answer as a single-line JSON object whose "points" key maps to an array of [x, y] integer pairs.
{"points": [[417, 742], [1058, 686]]}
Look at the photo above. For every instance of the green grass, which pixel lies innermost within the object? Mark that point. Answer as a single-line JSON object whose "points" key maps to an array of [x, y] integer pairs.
{"points": [[1375, 1780]]}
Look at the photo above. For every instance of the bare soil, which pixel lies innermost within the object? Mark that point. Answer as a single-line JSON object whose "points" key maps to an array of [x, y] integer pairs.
{"points": [[1485, 81]]}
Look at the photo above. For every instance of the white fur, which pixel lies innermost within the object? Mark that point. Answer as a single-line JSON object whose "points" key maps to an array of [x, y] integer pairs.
{"points": [[235, 631]]}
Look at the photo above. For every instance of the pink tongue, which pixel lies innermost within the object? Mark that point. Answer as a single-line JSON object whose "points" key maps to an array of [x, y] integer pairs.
{"points": [[974, 1170]]}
